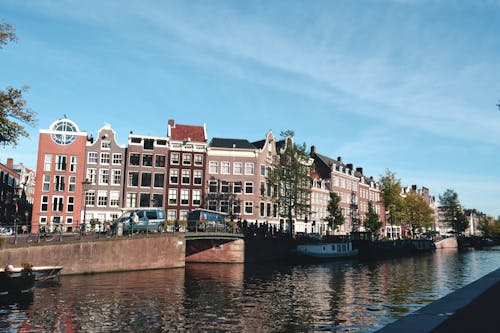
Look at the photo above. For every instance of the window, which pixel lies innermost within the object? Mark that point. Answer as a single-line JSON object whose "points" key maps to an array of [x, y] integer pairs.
{"points": [[90, 198], [134, 159], [91, 175], [197, 177], [73, 163], [135, 140], [262, 209], [117, 158], [72, 184], [237, 186], [43, 219], [45, 203], [198, 160], [46, 183], [131, 200], [114, 199], [161, 142], [248, 187], [196, 197], [116, 177], [249, 168], [60, 162], [133, 179], [171, 214], [105, 144], [145, 180], [59, 183], [174, 158], [212, 186], [186, 159], [157, 200], [248, 207], [225, 168], [213, 167], [224, 206], [102, 198], [92, 157], [147, 160], [172, 196], [212, 205], [268, 210], [144, 200], [159, 180], [47, 162], [160, 161], [103, 176], [57, 204], [236, 207], [149, 144], [174, 176], [105, 157], [262, 170], [238, 168], [224, 187], [186, 177], [183, 215], [184, 197], [262, 188]]}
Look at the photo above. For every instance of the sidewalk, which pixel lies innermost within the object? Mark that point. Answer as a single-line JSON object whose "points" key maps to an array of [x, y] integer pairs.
{"points": [[473, 308]]}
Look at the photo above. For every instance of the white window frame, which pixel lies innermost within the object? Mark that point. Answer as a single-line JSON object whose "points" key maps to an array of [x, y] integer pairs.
{"points": [[237, 168], [249, 168], [92, 157], [213, 167], [225, 168], [47, 163]]}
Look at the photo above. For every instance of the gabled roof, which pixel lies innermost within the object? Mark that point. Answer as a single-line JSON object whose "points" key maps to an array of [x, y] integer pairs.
{"points": [[259, 144], [184, 132], [231, 143]]}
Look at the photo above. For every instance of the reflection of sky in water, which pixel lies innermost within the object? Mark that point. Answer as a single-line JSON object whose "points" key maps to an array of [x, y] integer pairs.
{"points": [[348, 296]]}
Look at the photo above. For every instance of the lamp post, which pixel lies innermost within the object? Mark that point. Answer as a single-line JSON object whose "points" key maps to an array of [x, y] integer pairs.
{"points": [[85, 184]]}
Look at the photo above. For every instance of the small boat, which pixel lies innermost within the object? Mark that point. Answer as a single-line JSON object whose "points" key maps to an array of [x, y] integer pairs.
{"points": [[14, 282], [326, 249], [41, 273]]}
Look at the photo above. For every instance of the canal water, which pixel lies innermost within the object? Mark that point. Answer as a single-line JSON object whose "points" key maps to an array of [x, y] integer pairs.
{"points": [[348, 296]]}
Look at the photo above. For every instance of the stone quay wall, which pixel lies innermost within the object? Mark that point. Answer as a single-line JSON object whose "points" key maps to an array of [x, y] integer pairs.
{"points": [[97, 256]]}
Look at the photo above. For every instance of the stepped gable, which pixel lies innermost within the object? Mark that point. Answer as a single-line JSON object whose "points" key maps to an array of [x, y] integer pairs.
{"points": [[231, 143]]}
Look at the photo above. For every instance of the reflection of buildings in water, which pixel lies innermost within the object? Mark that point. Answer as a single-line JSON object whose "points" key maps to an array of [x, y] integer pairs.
{"points": [[111, 302]]}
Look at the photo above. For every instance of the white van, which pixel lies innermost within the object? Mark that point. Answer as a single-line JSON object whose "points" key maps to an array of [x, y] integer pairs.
{"points": [[142, 219]]}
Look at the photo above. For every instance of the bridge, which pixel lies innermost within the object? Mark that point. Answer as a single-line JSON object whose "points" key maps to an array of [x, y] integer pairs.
{"points": [[213, 235], [212, 247]]}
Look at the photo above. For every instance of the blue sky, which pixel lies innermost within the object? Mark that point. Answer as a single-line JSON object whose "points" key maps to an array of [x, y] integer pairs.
{"points": [[409, 86]]}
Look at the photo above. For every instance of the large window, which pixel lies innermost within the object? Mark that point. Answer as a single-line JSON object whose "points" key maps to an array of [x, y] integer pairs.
{"points": [[186, 177], [59, 183], [238, 168], [57, 204], [71, 204], [45, 203], [159, 180], [117, 158], [73, 163], [131, 200], [213, 167], [116, 177], [224, 187], [105, 158], [184, 197], [145, 180], [104, 176], [249, 169], [149, 144], [172, 196], [135, 159], [186, 159], [198, 160], [47, 162], [102, 198], [174, 176], [72, 184], [248, 187], [212, 186], [237, 187], [225, 167], [248, 207], [91, 175], [147, 160], [145, 200], [60, 162], [90, 198], [133, 179], [196, 197], [46, 183], [160, 161], [197, 177], [174, 158], [92, 157], [114, 199], [157, 200]]}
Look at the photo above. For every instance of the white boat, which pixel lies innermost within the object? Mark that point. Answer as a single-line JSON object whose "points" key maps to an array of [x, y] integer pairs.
{"points": [[326, 250]]}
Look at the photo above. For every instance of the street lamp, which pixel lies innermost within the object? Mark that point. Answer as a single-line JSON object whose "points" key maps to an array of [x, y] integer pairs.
{"points": [[85, 184]]}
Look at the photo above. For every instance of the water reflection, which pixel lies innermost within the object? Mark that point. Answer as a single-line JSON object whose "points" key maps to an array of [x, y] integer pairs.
{"points": [[349, 296]]}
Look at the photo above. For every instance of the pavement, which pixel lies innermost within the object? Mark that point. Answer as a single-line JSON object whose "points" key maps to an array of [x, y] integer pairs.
{"points": [[473, 308]]}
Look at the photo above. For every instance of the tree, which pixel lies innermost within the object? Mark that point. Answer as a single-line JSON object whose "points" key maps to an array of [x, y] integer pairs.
{"points": [[372, 223], [416, 213], [290, 175], [452, 211], [391, 194], [14, 115], [335, 217]]}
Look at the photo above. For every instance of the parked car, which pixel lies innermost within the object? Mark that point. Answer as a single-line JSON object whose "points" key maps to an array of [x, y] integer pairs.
{"points": [[136, 220], [6, 231]]}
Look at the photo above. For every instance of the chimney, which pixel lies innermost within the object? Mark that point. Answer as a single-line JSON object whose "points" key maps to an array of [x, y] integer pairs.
{"points": [[349, 166], [313, 150], [171, 123], [360, 170], [10, 163], [339, 159], [414, 187]]}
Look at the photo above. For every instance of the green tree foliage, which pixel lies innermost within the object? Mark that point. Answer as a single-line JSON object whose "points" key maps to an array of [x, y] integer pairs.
{"points": [[391, 194], [14, 115], [416, 213], [290, 175], [452, 211], [335, 217], [372, 222]]}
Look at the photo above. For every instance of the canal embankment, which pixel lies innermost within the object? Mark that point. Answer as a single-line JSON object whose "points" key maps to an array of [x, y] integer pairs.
{"points": [[473, 308]]}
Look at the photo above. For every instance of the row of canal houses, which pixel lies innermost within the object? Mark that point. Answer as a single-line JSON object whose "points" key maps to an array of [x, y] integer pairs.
{"points": [[85, 179]]}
